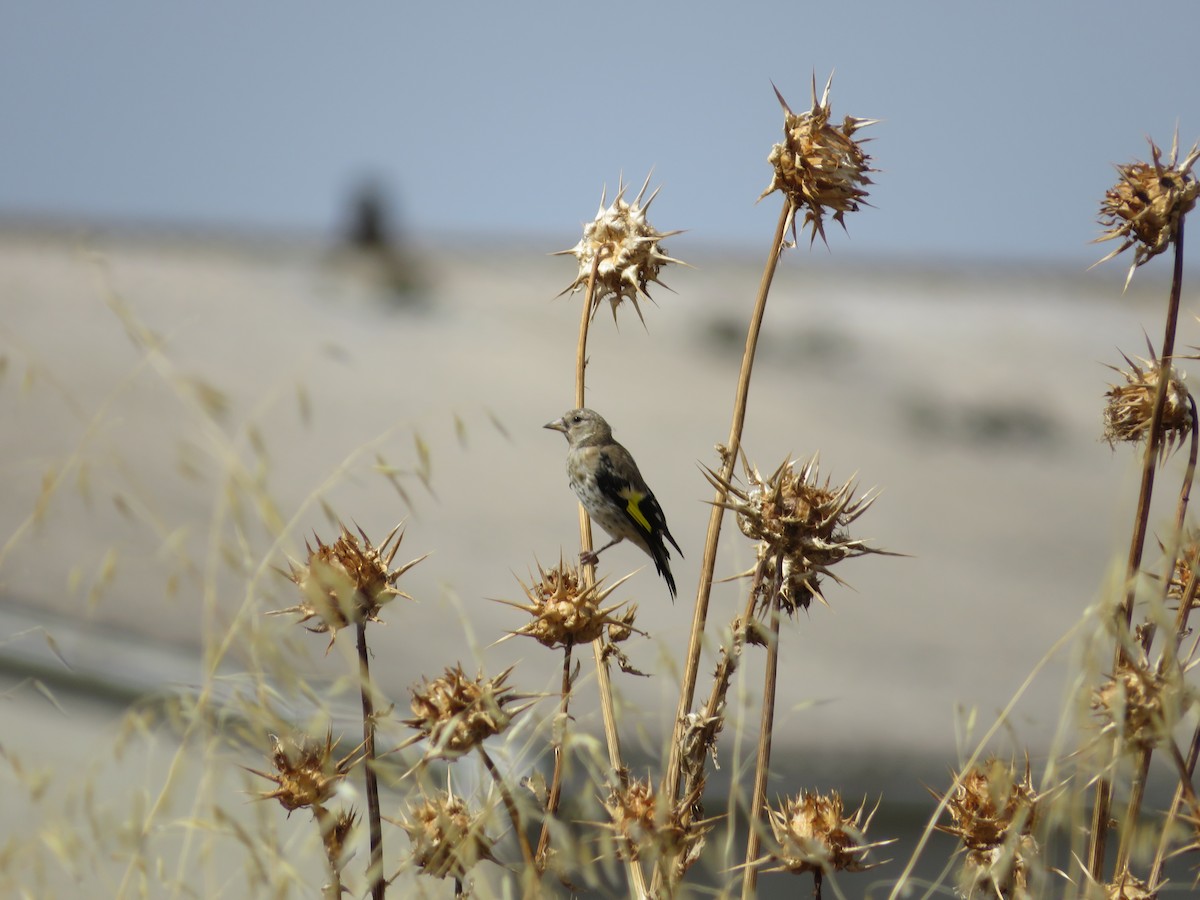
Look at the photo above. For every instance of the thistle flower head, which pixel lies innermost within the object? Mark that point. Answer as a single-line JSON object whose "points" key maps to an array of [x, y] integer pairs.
{"points": [[336, 829], [646, 825], [456, 712], [820, 168], [812, 834], [1146, 206], [566, 611], [1129, 411], [306, 772], [800, 523], [1139, 707], [994, 812], [626, 250], [447, 839], [346, 582]]}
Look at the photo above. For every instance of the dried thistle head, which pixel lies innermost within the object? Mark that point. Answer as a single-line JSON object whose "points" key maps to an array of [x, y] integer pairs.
{"points": [[1130, 887], [994, 812], [1146, 205], [1184, 571], [1130, 407], [800, 523], [813, 834], [456, 712], [820, 168], [346, 582], [447, 839], [336, 829], [566, 611], [628, 249], [1139, 707], [307, 773], [647, 826]]}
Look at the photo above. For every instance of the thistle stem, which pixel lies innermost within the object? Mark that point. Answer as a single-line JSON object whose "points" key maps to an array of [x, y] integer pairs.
{"points": [[608, 713], [375, 870], [762, 764], [552, 800], [332, 889], [1103, 800], [510, 805], [708, 564]]}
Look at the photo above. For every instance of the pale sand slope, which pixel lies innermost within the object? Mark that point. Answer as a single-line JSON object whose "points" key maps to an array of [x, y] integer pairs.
{"points": [[972, 399]]}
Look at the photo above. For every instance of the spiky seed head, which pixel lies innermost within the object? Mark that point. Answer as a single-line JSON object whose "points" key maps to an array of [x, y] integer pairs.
{"points": [[994, 811], [306, 773], [813, 834], [1183, 572], [646, 826], [1129, 411], [820, 168], [1139, 707], [800, 522], [346, 582], [566, 610], [447, 838], [1145, 207], [455, 712], [629, 250], [336, 829]]}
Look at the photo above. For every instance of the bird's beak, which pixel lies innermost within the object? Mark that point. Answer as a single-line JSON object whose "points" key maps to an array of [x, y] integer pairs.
{"points": [[556, 425]]}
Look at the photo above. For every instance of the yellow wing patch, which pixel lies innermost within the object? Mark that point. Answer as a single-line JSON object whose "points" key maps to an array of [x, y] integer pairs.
{"points": [[633, 501]]}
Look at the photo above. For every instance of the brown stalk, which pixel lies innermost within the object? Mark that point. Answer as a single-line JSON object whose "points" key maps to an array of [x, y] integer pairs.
{"points": [[513, 814], [708, 565], [612, 737], [331, 890], [375, 869], [762, 763], [1169, 654], [552, 800], [1103, 801]]}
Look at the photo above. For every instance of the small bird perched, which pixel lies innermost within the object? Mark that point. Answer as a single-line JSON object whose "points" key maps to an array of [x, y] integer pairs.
{"points": [[607, 482]]}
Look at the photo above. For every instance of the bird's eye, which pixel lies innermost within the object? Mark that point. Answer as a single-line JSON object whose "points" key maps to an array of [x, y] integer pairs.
{"points": [[577, 419]]}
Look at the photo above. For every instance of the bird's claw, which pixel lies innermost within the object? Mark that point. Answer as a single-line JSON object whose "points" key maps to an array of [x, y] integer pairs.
{"points": [[588, 558]]}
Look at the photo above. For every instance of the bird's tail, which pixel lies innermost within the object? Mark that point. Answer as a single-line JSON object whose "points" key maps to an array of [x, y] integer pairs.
{"points": [[663, 565]]}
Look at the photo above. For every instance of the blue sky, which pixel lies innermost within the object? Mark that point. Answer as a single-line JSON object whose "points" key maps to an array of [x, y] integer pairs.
{"points": [[1001, 122]]}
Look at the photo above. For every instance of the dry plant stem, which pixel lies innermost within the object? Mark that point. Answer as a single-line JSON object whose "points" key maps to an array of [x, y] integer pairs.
{"points": [[696, 752], [637, 878], [1098, 837], [1142, 766], [332, 889], [1180, 790], [552, 800], [375, 871], [762, 765], [708, 565], [513, 814]]}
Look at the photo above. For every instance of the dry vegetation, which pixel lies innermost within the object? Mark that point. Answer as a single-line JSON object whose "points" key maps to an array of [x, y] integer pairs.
{"points": [[418, 802]]}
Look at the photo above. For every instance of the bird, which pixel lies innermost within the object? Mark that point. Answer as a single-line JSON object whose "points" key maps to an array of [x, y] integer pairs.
{"points": [[607, 482]]}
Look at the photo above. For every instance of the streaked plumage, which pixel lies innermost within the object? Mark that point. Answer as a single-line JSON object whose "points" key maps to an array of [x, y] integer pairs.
{"points": [[607, 482]]}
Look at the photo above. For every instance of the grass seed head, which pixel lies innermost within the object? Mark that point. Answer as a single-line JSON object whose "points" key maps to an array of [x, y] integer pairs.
{"points": [[456, 712], [346, 582], [1145, 207], [813, 834], [994, 812], [447, 840], [1130, 407], [629, 249], [821, 168]]}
